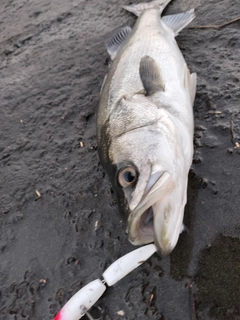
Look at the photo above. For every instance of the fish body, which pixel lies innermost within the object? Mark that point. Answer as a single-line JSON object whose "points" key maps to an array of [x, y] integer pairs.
{"points": [[145, 124]]}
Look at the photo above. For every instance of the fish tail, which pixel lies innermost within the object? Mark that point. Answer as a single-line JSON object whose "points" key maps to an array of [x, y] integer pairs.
{"points": [[138, 9]]}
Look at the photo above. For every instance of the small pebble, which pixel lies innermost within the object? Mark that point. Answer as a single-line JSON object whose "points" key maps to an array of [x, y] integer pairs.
{"points": [[121, 313]]}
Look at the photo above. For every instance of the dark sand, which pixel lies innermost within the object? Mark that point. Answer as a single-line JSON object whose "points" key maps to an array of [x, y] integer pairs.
{"points": [[52, 65]]}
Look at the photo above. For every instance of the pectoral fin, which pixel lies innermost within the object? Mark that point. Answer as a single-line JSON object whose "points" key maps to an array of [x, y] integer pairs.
{"points": [[150, 76], [179, 21], [190, 82], [116, 40]]}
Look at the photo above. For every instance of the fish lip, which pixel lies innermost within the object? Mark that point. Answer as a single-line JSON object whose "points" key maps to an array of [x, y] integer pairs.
{"points": [[165, 243], [169, 215], [163, 251]]}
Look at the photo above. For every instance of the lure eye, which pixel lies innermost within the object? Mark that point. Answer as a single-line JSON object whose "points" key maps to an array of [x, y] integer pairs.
{"points": [[127, 176]]}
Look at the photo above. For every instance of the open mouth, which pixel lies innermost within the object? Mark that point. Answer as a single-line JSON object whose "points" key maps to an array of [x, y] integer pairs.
{"points": [[146, 222], [142, 220]]}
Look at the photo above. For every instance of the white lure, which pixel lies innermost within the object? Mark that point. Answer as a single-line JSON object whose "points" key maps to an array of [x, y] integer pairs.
{"points": [[86, 297], [82, 301], [126, 264]]}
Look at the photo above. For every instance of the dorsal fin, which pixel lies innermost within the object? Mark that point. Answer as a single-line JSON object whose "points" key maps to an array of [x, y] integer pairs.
{"points": [[116, 40], [150, 76], [177, 22], [139, 8]]}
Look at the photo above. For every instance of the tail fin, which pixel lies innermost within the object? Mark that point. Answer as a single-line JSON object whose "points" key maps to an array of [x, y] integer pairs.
{"points": [[137, 9]]}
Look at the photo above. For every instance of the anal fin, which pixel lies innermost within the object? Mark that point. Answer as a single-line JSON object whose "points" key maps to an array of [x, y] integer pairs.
{"points": [[150, 76], [177, 22], [116, 40]]}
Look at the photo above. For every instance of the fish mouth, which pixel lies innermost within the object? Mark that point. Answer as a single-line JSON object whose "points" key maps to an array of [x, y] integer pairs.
{"points": [[158, 218], [146, 221], [153, 226]]}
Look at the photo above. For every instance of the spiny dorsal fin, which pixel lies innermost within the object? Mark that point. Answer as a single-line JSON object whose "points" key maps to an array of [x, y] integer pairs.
{"points": [[150, 76], [116, 40], [177, 22], [139, 8]]}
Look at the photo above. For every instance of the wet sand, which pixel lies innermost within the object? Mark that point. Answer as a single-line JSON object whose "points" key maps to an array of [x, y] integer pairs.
{"points": [[53, 62]]}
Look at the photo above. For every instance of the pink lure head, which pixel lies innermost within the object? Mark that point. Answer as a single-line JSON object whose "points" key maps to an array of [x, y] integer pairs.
{"points": [[58, 316]]}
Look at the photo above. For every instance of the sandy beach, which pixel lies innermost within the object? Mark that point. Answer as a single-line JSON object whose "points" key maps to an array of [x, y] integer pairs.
{"points": [[59, 222]]}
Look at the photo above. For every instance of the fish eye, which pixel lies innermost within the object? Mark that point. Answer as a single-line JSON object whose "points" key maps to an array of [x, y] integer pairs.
{"points": [[127, 176]]}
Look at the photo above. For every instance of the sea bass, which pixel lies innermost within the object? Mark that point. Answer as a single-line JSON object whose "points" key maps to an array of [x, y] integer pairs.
{"points": [[145, 124]]}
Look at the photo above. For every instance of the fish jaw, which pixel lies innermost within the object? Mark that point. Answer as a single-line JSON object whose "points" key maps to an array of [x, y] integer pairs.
{"points": [[160, 219], [168, 220]]}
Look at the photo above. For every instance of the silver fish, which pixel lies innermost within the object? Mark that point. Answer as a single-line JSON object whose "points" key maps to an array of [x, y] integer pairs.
{"points": [[145, 124]]}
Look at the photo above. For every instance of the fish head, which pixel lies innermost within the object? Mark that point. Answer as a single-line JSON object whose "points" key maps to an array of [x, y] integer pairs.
{"points": [[148, 173]]}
